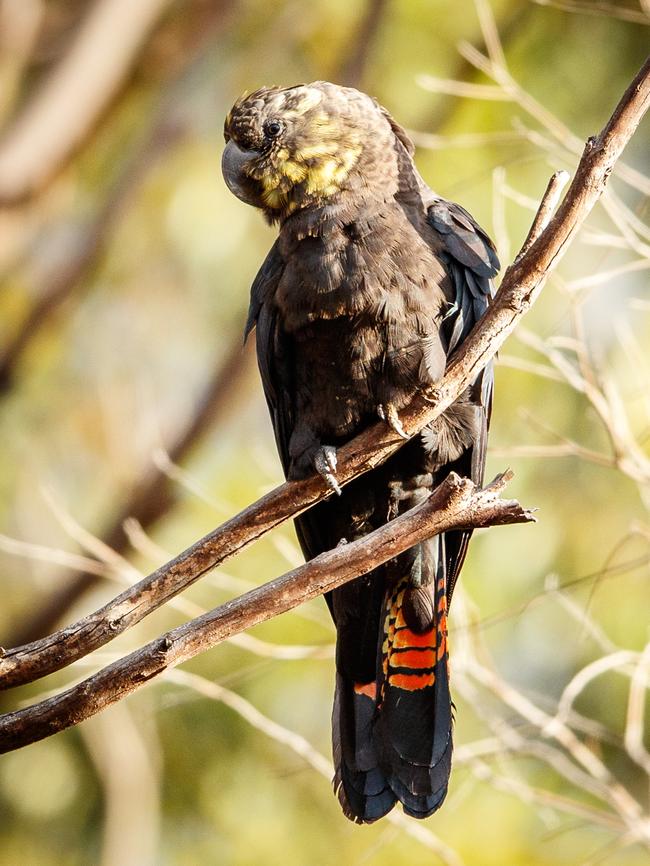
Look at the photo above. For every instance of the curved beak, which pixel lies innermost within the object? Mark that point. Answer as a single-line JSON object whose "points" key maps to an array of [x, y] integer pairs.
{"points": [[232, 167]]}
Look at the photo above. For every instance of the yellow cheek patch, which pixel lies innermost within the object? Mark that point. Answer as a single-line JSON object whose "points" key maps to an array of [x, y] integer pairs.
{"points": [[289, 178], [320, 176], [274, 197], [294, 171], [279, 178], [349, 156], [277, 197], [326, 177], [270, 180], [322, 148]]}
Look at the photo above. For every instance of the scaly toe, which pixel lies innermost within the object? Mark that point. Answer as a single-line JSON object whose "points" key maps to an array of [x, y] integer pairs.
{"points": [[325, 464]]}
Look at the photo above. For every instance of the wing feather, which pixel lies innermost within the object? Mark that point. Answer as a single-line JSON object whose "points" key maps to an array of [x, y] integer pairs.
{"points": [[471, 261], [272, 350]]}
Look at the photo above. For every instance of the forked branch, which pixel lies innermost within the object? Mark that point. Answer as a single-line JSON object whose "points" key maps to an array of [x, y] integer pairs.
{"points": [[454, 504]]}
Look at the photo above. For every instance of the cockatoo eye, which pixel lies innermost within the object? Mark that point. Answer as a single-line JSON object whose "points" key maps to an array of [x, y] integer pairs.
{"points": [[272, 128]]}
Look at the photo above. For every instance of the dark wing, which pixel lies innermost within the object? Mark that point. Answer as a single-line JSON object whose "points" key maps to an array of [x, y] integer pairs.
{"points": [[275, 362], [472, 262], [272, 350]]}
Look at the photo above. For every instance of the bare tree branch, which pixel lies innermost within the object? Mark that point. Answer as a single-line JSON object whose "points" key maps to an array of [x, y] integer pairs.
{"points": [[512, 20], [72, 99], [521, 285], [352, 70], [19, 28], [129, 775], [59, 285], [454, 504]]}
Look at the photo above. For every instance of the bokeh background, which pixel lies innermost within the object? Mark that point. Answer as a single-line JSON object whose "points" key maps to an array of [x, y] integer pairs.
{"points": [[132, 422]]}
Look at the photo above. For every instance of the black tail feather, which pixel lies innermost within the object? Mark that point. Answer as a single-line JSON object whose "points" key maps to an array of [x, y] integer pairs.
{"points": [[393, 736], [359, 781]]}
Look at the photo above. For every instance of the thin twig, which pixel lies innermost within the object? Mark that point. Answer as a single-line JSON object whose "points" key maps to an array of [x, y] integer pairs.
{"points": [[600, 9], [490, 33], [545, 211], [634, 726], [19, 29], [494, 67], [430, 141], [618, 661], [466, 89], [499, 225], [129, 773], [625, 804], [598, 279]]}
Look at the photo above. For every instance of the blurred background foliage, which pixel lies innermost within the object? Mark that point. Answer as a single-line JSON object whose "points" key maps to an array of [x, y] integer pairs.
{"points": [[126, 393]]}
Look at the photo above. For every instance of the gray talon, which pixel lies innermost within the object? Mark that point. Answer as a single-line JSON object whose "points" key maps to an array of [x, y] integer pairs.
{"points": [[388, 413], [325, 465]]}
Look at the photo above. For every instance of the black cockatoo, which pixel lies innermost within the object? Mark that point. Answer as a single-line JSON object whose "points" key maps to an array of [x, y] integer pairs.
{"points": [[372, 282]]}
